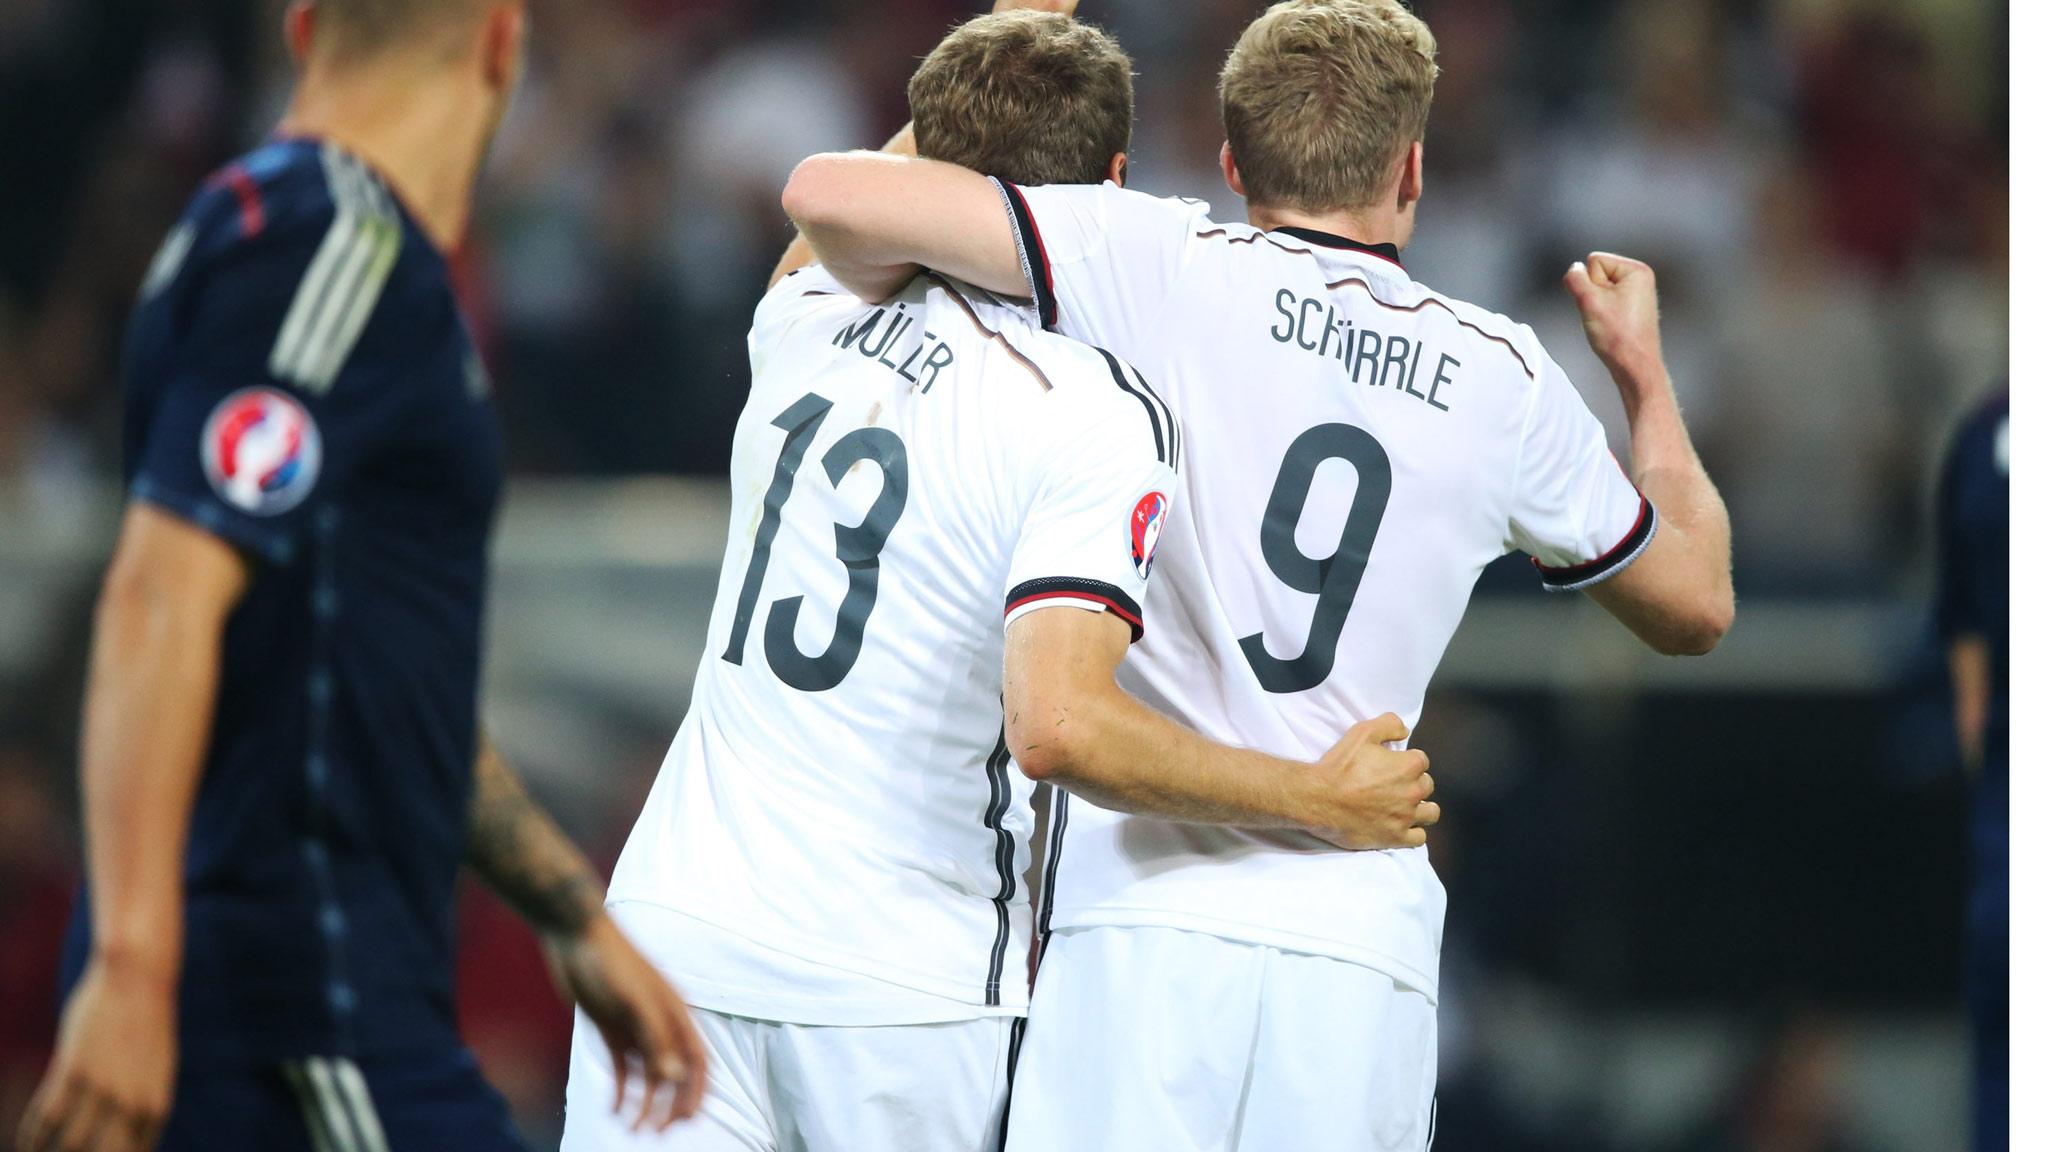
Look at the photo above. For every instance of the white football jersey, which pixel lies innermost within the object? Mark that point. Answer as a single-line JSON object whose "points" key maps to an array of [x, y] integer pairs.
{"points": [[1357, 449], [838, 819]]}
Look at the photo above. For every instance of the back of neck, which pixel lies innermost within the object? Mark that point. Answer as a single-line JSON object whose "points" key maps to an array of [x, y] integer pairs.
{"points": [[420, 133], [1380, 224]]}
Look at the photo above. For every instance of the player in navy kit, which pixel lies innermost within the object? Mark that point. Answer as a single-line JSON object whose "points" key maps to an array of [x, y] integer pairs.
{"points": [[1973, 613], [282, 767]]}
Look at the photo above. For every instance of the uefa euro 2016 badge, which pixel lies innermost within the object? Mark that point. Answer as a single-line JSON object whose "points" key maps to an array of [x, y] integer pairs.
{"points": [[1147, 516], [261, 450]]}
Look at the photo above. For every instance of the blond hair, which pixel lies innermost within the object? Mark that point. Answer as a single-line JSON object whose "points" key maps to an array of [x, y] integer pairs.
{"points": [[1321, 99], [1031, 97]]}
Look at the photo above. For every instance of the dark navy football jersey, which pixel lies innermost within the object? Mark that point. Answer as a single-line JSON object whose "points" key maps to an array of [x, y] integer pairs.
{"points": [[1975, 600], [300, 383]]}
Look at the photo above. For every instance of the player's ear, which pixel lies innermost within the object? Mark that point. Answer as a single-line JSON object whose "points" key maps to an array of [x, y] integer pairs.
{"points": [[1409, 189], [1120, 168], [1228, 160], [505, 46], [298, 31]]}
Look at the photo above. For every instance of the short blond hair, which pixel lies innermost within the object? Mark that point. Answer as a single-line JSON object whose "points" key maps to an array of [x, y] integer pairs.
{"points": [[1030, 97], [1321, 99]]}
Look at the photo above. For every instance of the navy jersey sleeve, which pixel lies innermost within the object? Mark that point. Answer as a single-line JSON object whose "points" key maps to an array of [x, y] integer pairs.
{"points": [[236, 424], [1973, 527], [1953, 612]]}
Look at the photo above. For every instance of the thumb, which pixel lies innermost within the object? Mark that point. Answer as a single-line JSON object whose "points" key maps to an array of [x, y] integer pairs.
{"points": [[1579, 283], [1385, 729]]}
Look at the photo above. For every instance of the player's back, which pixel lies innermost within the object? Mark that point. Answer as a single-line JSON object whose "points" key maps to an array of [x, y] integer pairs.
{"points": [[839, 791], [1358, 448], [298, 382]]}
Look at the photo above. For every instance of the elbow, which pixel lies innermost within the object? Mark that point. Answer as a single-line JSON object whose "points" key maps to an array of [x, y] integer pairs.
{"points": [[1698, 631], [1042, 760], [809, 196], [1043, 740]]}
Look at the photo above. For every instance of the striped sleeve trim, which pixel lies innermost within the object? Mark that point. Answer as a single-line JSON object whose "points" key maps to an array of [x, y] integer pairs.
{"points": [[1096, 594], [341, 287], [1031, 252], [1605, 566]]}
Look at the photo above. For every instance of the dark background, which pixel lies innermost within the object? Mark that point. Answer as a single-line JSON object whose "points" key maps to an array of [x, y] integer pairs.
{"points": [[1694, 905]]}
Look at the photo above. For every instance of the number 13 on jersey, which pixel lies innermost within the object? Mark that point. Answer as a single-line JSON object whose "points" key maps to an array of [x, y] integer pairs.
{"points": [[859, 549]]}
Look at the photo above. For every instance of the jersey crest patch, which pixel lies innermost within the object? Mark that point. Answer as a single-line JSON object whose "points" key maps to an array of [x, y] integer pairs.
{"points": [[1147, 517], [261, 450]]}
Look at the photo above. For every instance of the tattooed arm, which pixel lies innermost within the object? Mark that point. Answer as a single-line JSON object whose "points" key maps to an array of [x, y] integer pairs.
{"points": [[530, 863], [524, 857]]}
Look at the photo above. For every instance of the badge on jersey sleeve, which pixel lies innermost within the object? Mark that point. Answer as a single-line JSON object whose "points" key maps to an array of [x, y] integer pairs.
{"points": [[1147, 517], [261, 451]]}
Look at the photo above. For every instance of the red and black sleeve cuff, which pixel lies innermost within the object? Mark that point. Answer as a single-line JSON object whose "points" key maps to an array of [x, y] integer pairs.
{"points": [[1612, 561], [1031, 250], [1112, 598]]}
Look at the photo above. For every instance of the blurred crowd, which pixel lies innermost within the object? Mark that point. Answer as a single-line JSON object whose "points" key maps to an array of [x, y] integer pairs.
{"points": [[1821, 185]]}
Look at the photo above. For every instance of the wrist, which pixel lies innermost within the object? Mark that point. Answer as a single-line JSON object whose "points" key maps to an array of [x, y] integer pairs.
{"points": [[1637, 369], [1313, 798]]}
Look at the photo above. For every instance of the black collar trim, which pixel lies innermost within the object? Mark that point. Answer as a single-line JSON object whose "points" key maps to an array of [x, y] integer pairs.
{"points": [[1387, 252]]}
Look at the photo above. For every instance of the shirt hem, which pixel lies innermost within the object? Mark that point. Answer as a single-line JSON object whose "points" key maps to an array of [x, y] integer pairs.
{"points": [[1351, 953], [968, 994]]}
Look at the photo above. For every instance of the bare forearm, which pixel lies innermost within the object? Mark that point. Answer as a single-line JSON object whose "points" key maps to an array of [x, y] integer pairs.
{"points": [[149, 709], [1116, 753], [524, 856], [1665, 466], [1680, 596], [1969, 665], [799, 253], [875, 220]]}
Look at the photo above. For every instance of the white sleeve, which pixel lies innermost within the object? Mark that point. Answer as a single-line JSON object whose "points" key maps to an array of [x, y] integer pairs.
{"points": [[1101, 259], [787, 301], [1574, 510], [1092, 524]]}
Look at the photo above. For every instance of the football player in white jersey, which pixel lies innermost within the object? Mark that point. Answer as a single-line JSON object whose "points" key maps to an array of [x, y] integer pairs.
{"points": [[942, 526], [1357, 449]]}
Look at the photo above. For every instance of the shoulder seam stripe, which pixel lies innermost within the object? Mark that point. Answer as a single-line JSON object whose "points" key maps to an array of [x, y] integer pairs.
{"points": [[991, 333], [340, 289], [1256, 236], [1428, 300], [1172, 421], [1151, 410]]}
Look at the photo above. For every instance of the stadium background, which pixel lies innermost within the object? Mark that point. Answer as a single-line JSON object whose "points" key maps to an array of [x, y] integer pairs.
{"points": [[1695, 905]]}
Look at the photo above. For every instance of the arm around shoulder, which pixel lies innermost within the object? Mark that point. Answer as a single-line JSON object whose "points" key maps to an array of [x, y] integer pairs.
{"points": [[1068, 723], [875, 219]]}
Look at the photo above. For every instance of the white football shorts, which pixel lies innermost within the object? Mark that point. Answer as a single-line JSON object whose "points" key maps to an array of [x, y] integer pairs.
{"points": [[1159, 1040], [779, 1087]]}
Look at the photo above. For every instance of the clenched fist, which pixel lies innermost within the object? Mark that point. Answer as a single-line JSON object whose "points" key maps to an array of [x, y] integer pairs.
{"points": [[1375, 797], [1617, 300]]}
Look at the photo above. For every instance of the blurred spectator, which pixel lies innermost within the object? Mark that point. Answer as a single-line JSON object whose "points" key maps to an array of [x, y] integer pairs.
{"points": [[36, 883], [1788, 1100], [1805, 345], [1820, 185]]}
